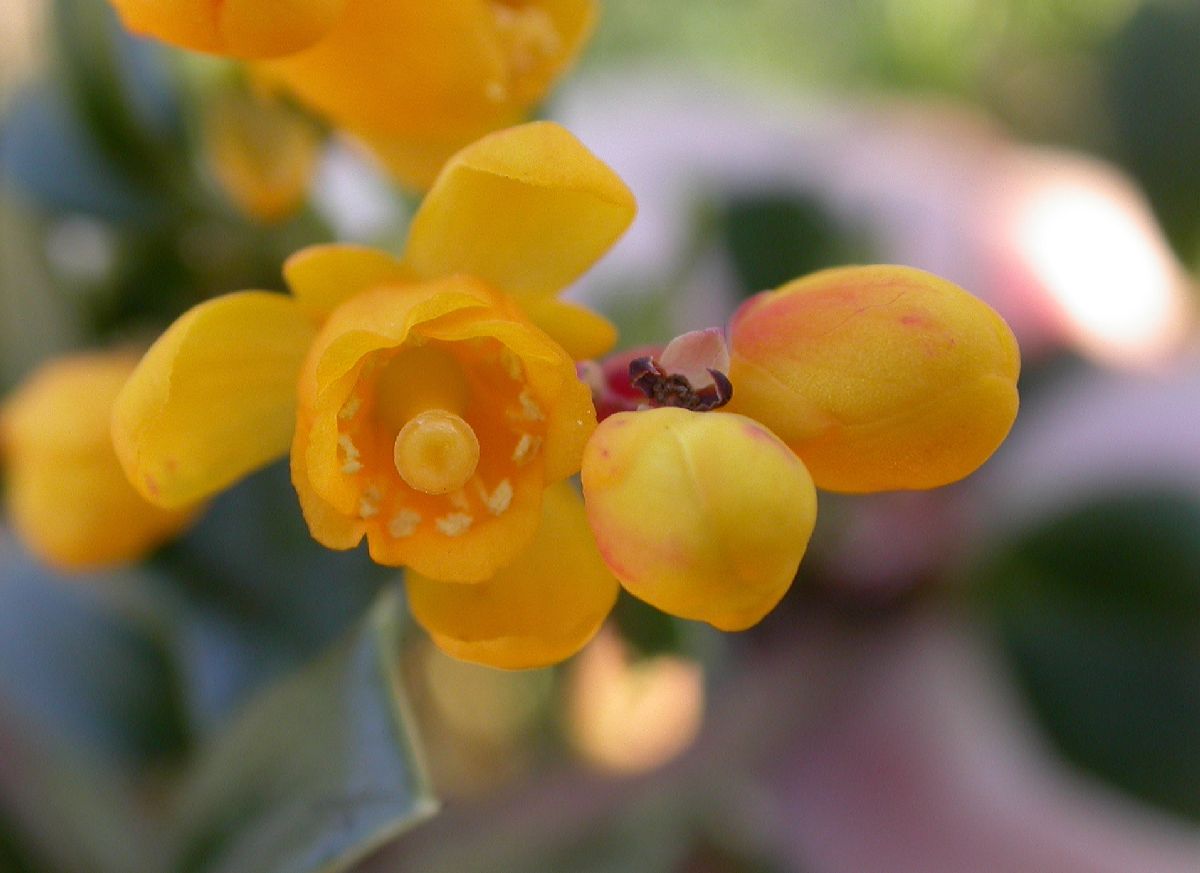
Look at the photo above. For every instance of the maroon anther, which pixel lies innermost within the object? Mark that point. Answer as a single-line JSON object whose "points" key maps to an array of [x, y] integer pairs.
{"points": [[674, 389]]}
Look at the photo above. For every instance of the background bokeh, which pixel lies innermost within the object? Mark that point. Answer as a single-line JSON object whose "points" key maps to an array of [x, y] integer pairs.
{"points": [[1002, 675]]}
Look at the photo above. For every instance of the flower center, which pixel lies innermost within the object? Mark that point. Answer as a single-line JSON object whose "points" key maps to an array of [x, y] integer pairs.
{"points": [[436, 452]]}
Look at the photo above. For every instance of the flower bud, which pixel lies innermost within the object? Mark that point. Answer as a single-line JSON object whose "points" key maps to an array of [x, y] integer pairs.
{"points": [[879, 377], [703, 515]]}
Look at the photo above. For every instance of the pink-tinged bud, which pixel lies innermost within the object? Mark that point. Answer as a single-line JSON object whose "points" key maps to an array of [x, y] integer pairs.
{"points": [[703, 515], [880, 378]]}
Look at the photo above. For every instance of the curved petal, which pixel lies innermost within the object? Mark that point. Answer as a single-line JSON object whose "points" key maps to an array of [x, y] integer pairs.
{"points": [[704, 515], [399, 69], [537, 611], [322, 277], [527, 210], [238, 28], [67, 495], [214, 398], [583, 333]]}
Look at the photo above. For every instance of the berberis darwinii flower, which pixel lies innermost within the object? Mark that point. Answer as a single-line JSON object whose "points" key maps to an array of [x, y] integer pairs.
{"points": [[433, 406]]}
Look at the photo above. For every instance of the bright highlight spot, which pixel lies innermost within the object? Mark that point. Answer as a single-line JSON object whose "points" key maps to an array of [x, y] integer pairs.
{"points": [[633, 715], [1101, 258]]}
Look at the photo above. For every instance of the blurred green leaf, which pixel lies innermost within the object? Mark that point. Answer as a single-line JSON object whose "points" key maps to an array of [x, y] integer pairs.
{"points": [[1099, 611], [316, 772], [79, 667], [775, 236], [120, 91], [47, 154], [1153, 85]]}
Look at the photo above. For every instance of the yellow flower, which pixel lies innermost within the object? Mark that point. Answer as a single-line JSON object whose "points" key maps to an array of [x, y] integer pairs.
{"points": [[261, 153], [416, 80], [429, 401], [869, 378], [67, 496]]}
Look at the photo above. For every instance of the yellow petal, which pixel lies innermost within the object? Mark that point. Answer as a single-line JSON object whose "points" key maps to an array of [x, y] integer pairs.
{"points": [[399, 69], [238, 28], [527, 210], [704, 515], [262, 153], [214, 398], [323, 277], [67, 495], [583, 333], [537, 611], [879, 377], [420, 80]]}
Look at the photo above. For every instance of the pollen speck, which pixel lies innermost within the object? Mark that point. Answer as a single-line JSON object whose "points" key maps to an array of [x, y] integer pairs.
{"points": [[527, 446], [404, 523], [500, 499], [350, 408], [529, 407], [455, 524]]}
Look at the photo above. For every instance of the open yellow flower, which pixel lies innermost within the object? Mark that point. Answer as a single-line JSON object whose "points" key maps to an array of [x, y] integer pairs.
{"points": [[430, 400], [66, 496], [416, 80]]}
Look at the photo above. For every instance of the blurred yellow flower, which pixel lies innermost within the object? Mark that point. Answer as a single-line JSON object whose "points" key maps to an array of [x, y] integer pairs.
{"points": [[261, 153], [67, 497], [416, 80], [429, 401], [869, 378]]}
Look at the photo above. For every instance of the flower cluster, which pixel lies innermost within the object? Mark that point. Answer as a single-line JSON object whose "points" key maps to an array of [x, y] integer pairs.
{"points": [[433, 406], [416, 80]]}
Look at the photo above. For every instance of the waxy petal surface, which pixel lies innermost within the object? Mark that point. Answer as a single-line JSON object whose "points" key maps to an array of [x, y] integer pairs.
{"points": [[527, 210], [323, 277], [539, 610], [703, 515], [214, 398]]}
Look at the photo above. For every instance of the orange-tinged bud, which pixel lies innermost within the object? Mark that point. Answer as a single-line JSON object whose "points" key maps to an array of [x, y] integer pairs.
{"points": [[67, 496], [879, 377], [237, 28], [703, 515]]}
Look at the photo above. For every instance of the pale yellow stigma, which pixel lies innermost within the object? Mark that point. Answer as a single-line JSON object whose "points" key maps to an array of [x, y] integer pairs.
{"points": [[436, 452]]}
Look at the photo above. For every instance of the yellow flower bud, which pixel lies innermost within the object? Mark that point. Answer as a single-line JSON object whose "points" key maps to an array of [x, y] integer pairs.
{"points": [[67, 496], [879, 377], [261, 153], [703, 515]]}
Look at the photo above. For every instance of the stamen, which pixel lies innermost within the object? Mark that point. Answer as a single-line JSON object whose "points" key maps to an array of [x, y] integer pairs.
{"points": [[367, 508], [530, 410], [436, 452], [455, 524], [527, 446], [352, 464], [350, 408], [404, 523], [511, 364], [501, 498]]}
